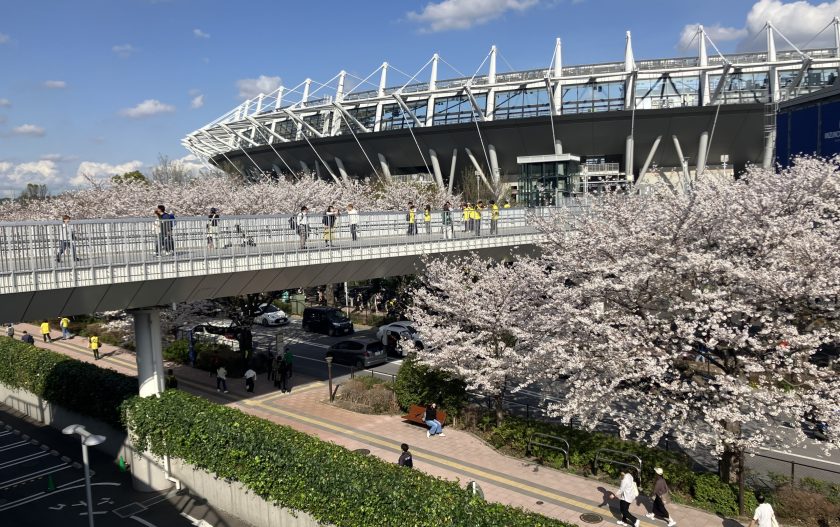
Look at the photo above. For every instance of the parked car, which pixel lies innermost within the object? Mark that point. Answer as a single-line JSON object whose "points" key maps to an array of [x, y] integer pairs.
{"points": [[406, 336], [227, 335], [270, 315], [361, 353], [329, 320]]}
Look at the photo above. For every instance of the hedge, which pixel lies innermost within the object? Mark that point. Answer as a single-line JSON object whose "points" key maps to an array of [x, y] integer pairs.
{"points": [[304, 473], [70, 383]]}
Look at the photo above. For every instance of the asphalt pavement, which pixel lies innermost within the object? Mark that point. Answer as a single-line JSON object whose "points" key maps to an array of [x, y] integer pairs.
{"points": [[42, 482]]}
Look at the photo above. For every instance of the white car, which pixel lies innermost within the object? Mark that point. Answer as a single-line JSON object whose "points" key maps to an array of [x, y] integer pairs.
{"points": [[270, 315], [404, 331]]}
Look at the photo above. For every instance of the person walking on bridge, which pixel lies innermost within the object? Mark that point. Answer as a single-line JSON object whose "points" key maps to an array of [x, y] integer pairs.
{"points": [[213, 229], [329, 220], [64, 324], [427, 219], [661, 496], [446, 221], [93, 342], [411, 218], [66, 239], [494, 217], [301, 224], [353, 218], [627, 494]]}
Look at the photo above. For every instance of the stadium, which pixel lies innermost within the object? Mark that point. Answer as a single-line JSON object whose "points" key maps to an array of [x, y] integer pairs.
{"points": [[536, 135]]}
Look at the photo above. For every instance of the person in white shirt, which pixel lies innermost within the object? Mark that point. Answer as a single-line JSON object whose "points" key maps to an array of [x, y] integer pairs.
{"points": [[250, 376], [302, 226], [66, 239], [764, 515], [353, 217], [627, 493]]}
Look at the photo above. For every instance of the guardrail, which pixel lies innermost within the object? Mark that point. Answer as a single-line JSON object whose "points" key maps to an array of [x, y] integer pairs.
{"points": [[793, 465], [29, 249], [531, 443], [599, 459]]}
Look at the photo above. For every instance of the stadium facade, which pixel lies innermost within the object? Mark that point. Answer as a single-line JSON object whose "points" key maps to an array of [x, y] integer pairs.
{"points": [[625, 122]]}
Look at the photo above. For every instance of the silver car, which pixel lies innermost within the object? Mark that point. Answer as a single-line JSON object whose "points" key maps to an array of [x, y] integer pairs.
{"points": [[361, 353]]}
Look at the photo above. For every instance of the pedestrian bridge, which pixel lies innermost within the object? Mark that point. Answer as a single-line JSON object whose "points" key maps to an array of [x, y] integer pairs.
{"points": [[115, 265]]}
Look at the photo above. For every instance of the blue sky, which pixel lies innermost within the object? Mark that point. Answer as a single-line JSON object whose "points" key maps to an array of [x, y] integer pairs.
{"points": [[103, 86]]}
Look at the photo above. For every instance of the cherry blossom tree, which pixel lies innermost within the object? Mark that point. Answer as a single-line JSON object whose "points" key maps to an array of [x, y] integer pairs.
{"points": [[693, 314], [193, 197]]}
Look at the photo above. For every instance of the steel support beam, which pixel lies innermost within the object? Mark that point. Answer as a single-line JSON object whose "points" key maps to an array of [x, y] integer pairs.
{"points": [[406, 109], [474, 103], [303, 123], [350, 118], [267, 129], [436, 168]]}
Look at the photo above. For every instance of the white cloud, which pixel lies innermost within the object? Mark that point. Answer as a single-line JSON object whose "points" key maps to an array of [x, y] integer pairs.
{"points": [[55, 85], [197, 101], [799, 21], [43, 171], [147, 108], [463, 14], [4, 38], [124, 50], [29, 129], [191, 164], [102, 171], [200, 34], [5, 103], [250, 88]]}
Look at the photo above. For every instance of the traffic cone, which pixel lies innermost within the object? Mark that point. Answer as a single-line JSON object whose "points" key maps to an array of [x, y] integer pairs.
{"points": [[121, 464], [50, 484]]}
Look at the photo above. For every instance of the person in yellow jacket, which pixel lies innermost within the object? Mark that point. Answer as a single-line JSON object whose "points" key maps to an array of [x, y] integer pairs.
{"points": [[94, 346], [64, 324], [506, 205], [45, 331], [494, 217], [476, 215], [469, 217], [427, 218], [411, 218]]}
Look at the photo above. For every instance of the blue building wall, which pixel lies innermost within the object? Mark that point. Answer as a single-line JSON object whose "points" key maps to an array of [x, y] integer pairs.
{"points": [[809, 127]]}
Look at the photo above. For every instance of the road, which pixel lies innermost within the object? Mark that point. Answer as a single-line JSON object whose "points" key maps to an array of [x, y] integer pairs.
{"points": [[42, 483]]}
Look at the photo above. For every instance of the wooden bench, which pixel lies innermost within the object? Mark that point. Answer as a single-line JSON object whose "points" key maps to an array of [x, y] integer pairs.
{"points": [[416, 413]]}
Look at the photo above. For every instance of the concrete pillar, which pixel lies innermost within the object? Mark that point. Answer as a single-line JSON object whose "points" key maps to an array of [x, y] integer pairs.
{"points": [[339, 91], [341, 170], [386, 170], [629, 61], [702, 147], [705, 96], [491, 71], [433, 76], [149, 353], [558, 73], [278, 102], [495, 175], [306, 84], [436, 168], [304, 168], [649, 158], [558, 58], [628, 158], [452, 169], [558, 147], [383, 80]]}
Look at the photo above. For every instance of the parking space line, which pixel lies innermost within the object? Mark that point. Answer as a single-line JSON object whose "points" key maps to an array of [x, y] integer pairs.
{"points": [[13, 445], [43, 494], [27, 477], [142, 521], [23, 459]]}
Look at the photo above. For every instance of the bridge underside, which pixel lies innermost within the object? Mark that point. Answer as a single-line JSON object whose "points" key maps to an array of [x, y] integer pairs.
{"points": [[738, 133], [39, 305]]}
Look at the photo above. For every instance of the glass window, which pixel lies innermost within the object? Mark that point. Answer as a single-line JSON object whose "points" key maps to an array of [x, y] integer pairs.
{"points": [[286, 128], [593, 97], [393, 116], [458, 109], [667, 92], [740, 88], [521, 103], [316, 121], [365, 115]]}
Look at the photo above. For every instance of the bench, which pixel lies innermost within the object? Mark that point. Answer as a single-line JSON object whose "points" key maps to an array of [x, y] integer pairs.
{"points": [[416, 413]]}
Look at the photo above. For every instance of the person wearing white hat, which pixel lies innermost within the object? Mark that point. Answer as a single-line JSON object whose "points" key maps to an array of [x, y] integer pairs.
{"points": [[661, 496]]}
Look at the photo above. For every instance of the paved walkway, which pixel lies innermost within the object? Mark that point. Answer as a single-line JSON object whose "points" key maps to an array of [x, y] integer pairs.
{"points": [[458, 456]]}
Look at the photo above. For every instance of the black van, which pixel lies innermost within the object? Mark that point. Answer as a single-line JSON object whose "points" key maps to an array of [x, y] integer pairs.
{"points": [[329, 320]]}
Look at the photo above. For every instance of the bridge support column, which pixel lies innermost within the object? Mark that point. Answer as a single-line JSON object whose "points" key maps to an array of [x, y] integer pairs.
{"points": [[148, 473], [149, 352]]}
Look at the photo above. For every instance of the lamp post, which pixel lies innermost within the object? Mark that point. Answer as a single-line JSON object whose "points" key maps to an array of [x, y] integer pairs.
{"points": [[329, 360], [87, 439]]}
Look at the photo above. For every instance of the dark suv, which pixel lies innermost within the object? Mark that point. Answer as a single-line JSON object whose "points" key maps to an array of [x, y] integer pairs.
{"points": [[329, 320]]}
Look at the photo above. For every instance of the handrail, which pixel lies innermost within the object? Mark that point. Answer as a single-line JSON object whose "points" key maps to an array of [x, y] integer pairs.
{"points": [[532, 443], [638, 469]]}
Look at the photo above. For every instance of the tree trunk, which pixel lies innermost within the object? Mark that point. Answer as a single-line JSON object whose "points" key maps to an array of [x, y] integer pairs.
{"points": [[729, 460], [741, 476], [500, 408]]}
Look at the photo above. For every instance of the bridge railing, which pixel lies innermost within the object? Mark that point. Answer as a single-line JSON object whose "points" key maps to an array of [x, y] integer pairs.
{"points": [[28, 247]]}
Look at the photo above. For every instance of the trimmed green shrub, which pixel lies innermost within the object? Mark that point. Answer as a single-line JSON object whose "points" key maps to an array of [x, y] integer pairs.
{"points": [[722, 497], [178, 351], [304, 473], [70, 383], [419, 384]]}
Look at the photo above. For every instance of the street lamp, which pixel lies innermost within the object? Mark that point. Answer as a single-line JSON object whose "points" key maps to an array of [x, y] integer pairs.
{"points": [[88, 439], [329, 360]]}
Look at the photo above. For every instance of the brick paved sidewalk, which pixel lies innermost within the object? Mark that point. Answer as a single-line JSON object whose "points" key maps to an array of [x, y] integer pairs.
{"points": [[458, 456]]}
